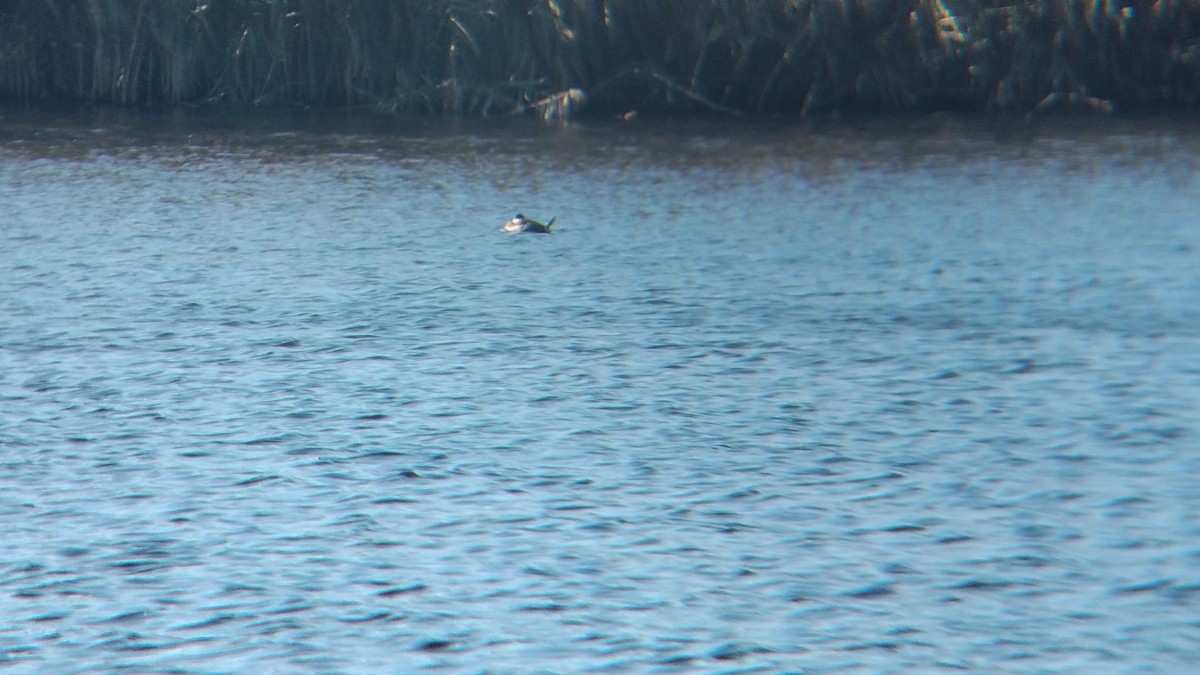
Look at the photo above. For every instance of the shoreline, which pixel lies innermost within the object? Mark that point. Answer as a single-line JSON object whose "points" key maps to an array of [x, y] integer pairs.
{"points": [[683, 142]]}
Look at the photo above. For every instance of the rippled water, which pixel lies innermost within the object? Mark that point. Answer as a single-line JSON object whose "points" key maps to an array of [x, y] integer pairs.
{"points": [[277, 395]]}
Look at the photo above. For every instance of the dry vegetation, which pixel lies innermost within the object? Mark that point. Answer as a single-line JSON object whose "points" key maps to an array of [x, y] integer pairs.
{"points": [[792, 57]]}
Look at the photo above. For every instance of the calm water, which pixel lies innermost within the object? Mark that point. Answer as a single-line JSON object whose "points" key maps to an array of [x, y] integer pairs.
{"points": [[278, 397]]}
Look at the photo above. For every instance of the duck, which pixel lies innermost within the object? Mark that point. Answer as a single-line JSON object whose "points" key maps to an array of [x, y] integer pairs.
{"points": [[520, 223]]}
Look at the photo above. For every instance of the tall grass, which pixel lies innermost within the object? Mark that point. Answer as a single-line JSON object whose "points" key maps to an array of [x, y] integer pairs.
{"points": [[487, 57]]}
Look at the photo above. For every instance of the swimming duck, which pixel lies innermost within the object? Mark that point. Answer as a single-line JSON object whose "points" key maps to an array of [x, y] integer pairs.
{"points": [[520, 223]]}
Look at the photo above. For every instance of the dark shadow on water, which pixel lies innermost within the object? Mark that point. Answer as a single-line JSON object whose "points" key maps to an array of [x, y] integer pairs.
{"points": [[712, 142]]}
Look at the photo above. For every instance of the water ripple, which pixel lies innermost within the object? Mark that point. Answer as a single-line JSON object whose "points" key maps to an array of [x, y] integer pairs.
{"points": [[260, 413]]}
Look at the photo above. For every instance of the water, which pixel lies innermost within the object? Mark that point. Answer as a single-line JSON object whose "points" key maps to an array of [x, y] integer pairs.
{"points": [[277, 396]]}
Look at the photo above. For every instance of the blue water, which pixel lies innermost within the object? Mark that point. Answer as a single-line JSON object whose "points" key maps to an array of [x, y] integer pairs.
{"points": [[280, 397]]}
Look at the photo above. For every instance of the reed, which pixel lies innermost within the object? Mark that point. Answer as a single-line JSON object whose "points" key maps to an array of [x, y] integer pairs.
{"points": [[547, 57]]}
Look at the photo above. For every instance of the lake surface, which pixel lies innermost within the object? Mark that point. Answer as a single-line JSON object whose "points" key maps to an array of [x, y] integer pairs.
{"points": [[276, 395]]}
